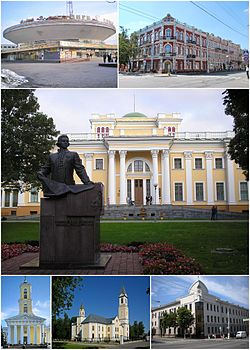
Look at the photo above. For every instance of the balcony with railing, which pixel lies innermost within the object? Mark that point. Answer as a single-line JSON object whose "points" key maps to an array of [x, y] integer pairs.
{"points": [[203, 135]]}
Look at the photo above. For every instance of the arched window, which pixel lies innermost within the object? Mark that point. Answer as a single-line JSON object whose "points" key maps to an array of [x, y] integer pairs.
{"points": [[102, 129], [129, 168], [169, 130], [25, 308], [168, 33], [25, 293], [107, 131], [168, 48], [98, 132], [173, 130], [147, 167]]}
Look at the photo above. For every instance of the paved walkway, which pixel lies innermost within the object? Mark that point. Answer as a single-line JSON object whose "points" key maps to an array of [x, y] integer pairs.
{"points": [[119, 264]]}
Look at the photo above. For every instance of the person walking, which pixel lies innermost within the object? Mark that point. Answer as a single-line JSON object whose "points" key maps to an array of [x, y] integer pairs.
{"points": [[247, 71]]}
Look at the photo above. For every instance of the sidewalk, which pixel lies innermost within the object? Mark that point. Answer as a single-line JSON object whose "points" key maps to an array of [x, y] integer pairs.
{"points": [[119, 264]]}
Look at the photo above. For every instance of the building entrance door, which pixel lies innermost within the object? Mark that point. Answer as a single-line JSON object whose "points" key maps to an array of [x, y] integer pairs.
{"points": [[138, 191]]}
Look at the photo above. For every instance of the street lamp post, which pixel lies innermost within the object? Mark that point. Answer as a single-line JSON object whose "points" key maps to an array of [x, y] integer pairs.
{"points": [[155, 186]]}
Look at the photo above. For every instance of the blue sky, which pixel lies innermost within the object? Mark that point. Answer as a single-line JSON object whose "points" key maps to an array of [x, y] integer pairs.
{"points": [[233, 13], [14, 11], [234, 289], [71, 109], [99, 295], [11, 294]]}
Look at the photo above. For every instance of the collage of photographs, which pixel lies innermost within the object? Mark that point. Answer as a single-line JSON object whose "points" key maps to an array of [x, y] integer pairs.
{"points": [[125, 169]]}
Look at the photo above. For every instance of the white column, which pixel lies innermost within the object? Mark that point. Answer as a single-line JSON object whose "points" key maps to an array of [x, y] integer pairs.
{"points": [[144, 191], [89, 164], [230, 185], [132, 189], [35, 334], [113, 332], [28, 334], [209, 171], [15, 334], [154, 154], [21, 334], [11, 198], [165, 178], [9, 334], [42, 333], [189, 181], [123, 177], [3, 198], [112, 178], [90, 331]]}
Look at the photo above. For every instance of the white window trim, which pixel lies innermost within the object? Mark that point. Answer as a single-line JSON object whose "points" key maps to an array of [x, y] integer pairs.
{"points": [[204, 191], [183, 190], [244, 200], [202, 163], [103, 163], [223, 162], [38, 195], [182, 163], [215, 191]]}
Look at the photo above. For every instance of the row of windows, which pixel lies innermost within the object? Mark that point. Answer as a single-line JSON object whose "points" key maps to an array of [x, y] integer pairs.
{"points": [[168, 49], [198, 163], [223, 319], [179, 35], [222, 309], [102, 131], [222, 330]]}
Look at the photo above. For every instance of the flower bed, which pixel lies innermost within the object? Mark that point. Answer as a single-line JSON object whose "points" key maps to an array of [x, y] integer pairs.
{"points": [[11, 250], [164, 259], [108, 247]]}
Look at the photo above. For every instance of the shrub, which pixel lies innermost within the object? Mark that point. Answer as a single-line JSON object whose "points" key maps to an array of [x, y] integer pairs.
{"points": [[11, 250]]}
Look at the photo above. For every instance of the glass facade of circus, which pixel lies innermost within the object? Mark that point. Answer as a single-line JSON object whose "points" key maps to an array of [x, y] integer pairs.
{"points": [[136, 156]]}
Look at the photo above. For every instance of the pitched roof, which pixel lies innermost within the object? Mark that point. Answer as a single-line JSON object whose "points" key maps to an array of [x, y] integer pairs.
{"points": [[25, 317], [98, 319]]}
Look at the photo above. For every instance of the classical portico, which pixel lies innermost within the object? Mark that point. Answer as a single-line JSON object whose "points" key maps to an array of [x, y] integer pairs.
{"points": [[25, 328]]}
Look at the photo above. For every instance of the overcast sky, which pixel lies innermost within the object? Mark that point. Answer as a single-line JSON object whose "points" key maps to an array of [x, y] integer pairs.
{"points": [[234, 289], [14, 11], [71, 109]]}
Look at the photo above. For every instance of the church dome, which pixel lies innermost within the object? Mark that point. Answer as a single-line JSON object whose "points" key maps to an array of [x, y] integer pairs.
{"points": [[198, 286], [134, 115]]}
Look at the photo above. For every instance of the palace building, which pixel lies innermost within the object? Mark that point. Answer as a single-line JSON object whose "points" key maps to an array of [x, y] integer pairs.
{"points": [[212, 316], [26, 328], [99, 328], [136, 156], [171, 46]]}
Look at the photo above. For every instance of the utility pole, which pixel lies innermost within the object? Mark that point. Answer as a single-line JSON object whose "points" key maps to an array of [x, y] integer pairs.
{"points": [[69, 5]]}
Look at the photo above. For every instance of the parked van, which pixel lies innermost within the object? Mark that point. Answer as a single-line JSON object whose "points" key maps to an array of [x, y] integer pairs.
{"points": [[241, 334]]}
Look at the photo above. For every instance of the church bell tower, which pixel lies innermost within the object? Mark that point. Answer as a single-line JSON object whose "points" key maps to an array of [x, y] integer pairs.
{"points": [[25, 301], [123, 313]]}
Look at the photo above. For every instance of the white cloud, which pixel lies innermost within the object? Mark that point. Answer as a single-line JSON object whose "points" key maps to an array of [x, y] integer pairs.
{"points": [[43, 304], [246, 10]]}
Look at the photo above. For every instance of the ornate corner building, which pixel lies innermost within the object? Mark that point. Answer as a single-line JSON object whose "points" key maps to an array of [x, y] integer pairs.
{"points": [[99, 328], [212, 316], [26, 328], [136, 156], [171, 46]]}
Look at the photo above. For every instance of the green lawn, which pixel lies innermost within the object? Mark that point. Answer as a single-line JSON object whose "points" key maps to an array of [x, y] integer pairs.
{"points": [[196, 240], [73, 345]]}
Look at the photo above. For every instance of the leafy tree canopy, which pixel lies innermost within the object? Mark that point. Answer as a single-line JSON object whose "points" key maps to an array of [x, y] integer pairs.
{"points": [[236, 104], [184, 318], [27, 137], [63, 293], [128, 46], [137, 330]]}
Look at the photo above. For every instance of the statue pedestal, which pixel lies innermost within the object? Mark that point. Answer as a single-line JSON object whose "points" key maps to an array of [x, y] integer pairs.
{"points": [[70, 231]]}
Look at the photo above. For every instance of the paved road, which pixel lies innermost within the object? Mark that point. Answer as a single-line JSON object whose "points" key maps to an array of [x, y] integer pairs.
{"points": [[200, 344], [65, 75], [215, 80], [135, 345]]}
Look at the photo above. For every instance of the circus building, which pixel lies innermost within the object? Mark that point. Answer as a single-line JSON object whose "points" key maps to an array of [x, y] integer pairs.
{"points": [[59, 38], [137, 156], [26, 328]]}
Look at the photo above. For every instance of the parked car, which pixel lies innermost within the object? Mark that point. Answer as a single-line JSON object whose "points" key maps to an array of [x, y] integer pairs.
{"points": [[241, 334]]}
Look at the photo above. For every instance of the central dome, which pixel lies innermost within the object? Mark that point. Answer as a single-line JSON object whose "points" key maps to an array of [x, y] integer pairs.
{"points": [[134, 115]]}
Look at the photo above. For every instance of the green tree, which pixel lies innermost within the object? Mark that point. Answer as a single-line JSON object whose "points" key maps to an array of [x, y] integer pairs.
{"points": [[124, 46], [134, 48], [168, 320], [63, 293], [3, 339], [27, 137], [136, 330], [236, 104], [184, 319]]}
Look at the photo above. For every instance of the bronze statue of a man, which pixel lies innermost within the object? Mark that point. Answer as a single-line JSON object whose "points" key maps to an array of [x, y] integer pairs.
{"points": [[60, 167]]}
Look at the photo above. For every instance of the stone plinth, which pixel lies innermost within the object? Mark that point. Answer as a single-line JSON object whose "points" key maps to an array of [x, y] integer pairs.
{"points": [[70, 230]]}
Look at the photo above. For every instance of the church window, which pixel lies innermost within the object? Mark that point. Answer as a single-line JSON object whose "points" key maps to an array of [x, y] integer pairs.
{"points": [[121, 300], [177, 163], [138, 165], [25, 293], [178, 189], [99, 164], [243, 191], [147, 167], [199, 191], [34, 195]]}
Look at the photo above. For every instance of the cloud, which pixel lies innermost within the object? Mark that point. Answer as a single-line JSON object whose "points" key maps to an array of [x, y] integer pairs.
{"points": [[43, 304], [246, 10]]}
